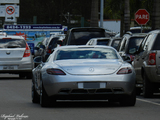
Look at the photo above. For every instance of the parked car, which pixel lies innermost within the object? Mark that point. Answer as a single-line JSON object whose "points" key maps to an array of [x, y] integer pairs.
{"points": [[140, 30], [130, 44], [83, 72], [114, 42], [146, 64], [39, 49], [15, 56], [99, 41], [48, 45], [81, 35]]}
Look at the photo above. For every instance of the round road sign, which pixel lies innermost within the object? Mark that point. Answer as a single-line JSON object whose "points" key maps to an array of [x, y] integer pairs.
{"points": [[10, 10]]}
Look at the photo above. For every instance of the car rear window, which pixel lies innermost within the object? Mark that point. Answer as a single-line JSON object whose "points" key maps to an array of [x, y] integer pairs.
{"points": [[156, 45], [12, 43], [83, 53], [133, 45], [81, 38], [103, 42]]}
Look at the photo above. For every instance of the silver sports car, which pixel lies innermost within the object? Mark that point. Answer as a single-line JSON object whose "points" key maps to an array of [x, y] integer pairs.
{"points": [[83, 72]]}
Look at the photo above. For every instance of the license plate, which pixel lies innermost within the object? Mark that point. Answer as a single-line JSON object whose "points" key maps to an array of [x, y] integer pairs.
{"points": [[92, 85], [9, 67]]}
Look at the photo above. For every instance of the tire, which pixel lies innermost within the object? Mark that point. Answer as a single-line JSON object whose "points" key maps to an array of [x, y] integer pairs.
{"points": [[44, 98], [138, 90], [147, 87], [29, 75], [22, 75], [129, 100], [35, 96]]}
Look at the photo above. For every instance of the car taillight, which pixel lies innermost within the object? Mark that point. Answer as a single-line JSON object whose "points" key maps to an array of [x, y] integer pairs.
{"points": [[53, 71], [27, 52], [152, 59], [49, 50], [125, 71], [132, 57]]}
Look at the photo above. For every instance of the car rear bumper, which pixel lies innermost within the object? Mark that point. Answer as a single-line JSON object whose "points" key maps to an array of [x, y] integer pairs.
{"points": [[111, 86]]}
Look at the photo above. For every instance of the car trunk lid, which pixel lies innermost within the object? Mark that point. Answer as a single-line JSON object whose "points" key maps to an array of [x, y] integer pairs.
{"points": [[89, 67]]}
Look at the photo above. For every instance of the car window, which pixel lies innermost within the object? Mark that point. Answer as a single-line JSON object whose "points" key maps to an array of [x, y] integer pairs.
{"points": [[141, 47], [133, 44], [103, 42], [81, 38], [94, 53], [115, 43], [91, 42], [156, 45], [147, 42], [12, 43], [53, 42]]}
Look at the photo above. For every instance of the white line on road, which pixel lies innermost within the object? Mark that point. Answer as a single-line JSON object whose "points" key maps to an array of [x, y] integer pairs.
{"points": [[148, 101]]}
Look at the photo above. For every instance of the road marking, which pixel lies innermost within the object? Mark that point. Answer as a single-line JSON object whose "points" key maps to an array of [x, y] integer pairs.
{"points": [[148, 101]]}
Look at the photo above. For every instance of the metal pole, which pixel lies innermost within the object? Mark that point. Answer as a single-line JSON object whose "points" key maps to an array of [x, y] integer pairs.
{"points": [[101, 14]]}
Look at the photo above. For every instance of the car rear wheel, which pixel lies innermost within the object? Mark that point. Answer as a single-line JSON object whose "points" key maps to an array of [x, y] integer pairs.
{"points": [[29, 75], [45, 100], [129, 100], [147, 87], [35, 97], [138, 91], [22, 75]]}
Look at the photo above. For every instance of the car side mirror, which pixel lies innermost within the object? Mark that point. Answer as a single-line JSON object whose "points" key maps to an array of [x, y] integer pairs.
{"points": [[38, 59]]}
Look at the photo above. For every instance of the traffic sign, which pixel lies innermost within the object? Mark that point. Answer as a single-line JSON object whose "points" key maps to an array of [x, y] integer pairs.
{"points": [[3, 10], [10, 13], [142, 16], [10, 10]]}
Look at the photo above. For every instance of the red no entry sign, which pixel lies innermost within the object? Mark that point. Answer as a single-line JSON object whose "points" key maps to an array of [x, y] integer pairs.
{"points": [[142, 16], [10, 10]]}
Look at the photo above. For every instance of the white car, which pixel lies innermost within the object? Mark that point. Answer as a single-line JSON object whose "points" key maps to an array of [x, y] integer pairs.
{"points": [[15, 56], [108, 41], [83, 72]]}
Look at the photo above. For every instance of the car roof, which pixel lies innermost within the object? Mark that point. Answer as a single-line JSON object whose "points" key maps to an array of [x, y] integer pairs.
{"points": [[86, 28], [100, 38], [83, 46], [135, 34], [155, 31]]}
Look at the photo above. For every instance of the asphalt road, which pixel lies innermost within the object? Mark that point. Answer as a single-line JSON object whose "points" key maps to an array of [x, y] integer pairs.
{"points": [[15, 104]]}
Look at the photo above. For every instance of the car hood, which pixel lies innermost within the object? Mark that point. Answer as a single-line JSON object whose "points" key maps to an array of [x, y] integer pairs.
{"points": [[89, 67]]}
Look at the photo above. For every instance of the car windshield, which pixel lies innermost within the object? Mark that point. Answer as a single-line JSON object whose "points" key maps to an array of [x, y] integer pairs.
{"points": [[134, 44], [81, 38], [86, 53], [12, 43], [103, 42]]}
